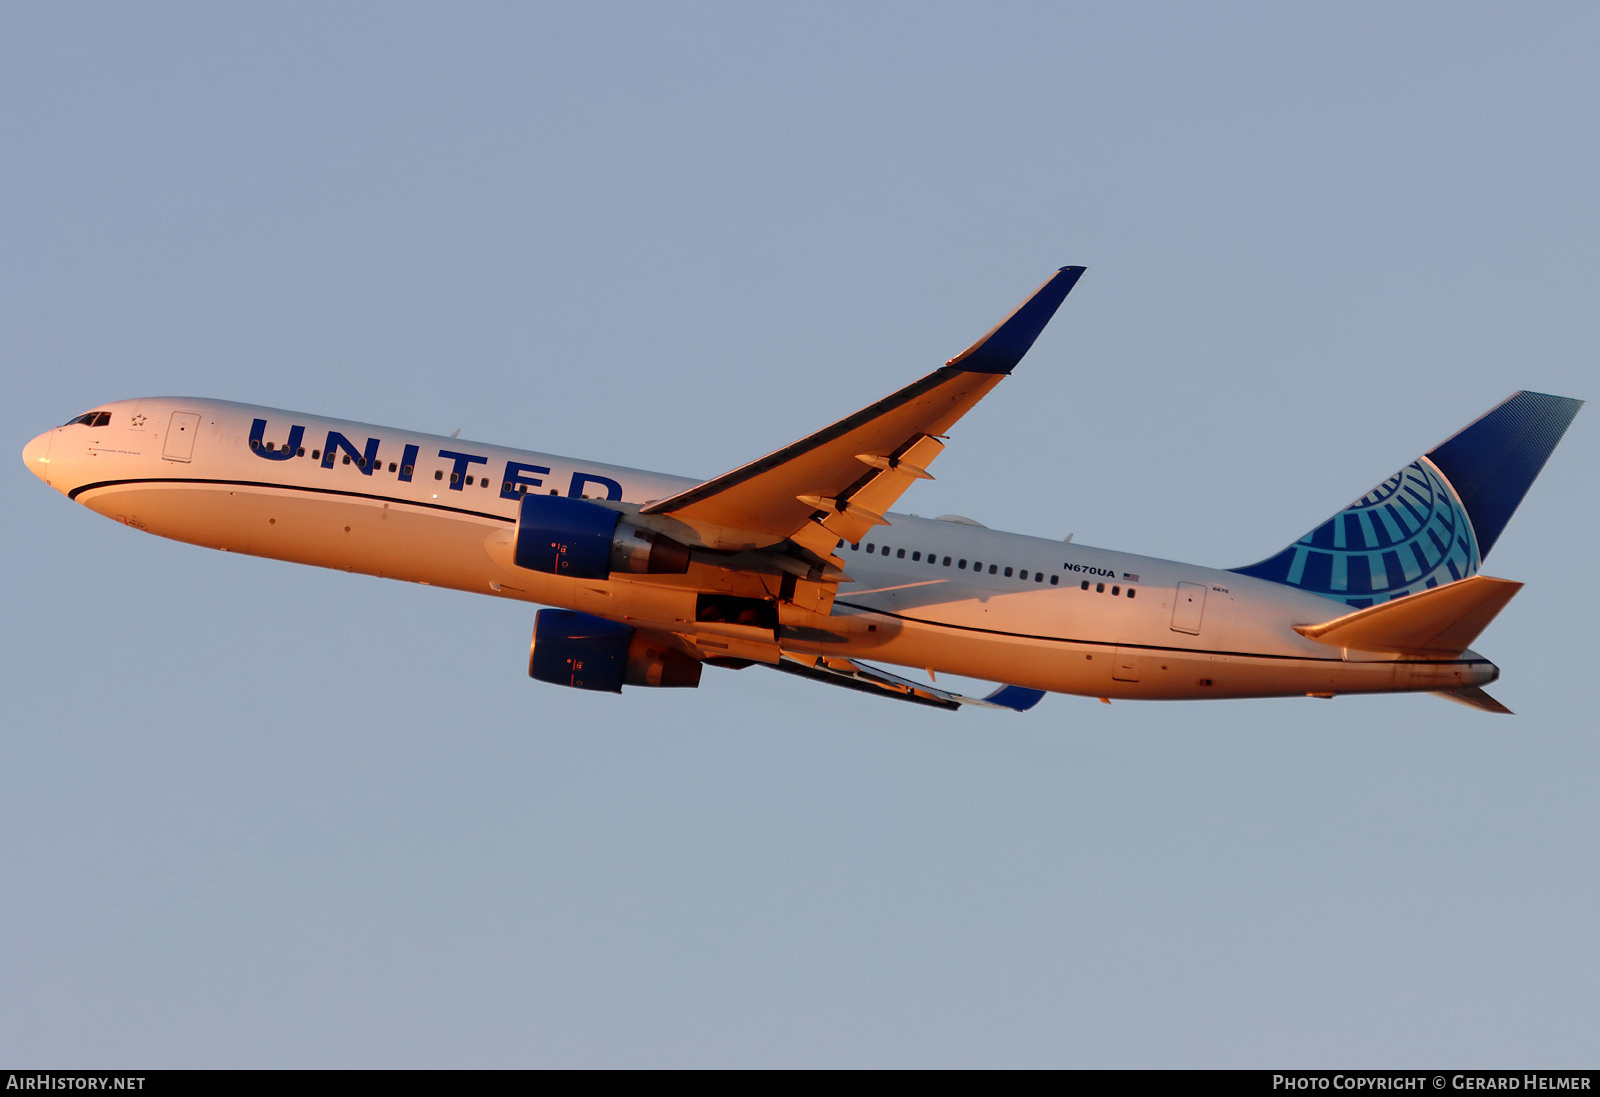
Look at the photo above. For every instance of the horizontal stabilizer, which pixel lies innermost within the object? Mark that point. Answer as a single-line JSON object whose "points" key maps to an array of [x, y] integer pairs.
{"points": [[1437, 623], [1475, 697]]}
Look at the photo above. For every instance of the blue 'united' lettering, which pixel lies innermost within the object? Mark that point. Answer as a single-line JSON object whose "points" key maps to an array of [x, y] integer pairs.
{"points": [[519, 478], [258, 430]]}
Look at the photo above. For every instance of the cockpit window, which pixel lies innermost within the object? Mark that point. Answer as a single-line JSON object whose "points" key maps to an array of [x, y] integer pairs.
{"points": [[91, 419]]}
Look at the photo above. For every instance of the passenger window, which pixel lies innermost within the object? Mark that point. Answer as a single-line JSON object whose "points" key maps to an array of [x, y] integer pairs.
{"points": [[916, 556], [1038, 577], [1130, 592], [899, 554], [856, 547], [871, 547], [347, 458], [1086, 584], [1022, 575], [391, 466], [407, 470], [962, 564], [455, 478], [884, 551], [1099, 588], [301, 452], [1055, 580], [993, 568], [947, 561], [438, 474], [469, 484], [316, 455], [1116, 592], [1008, 573], [361, 462]]}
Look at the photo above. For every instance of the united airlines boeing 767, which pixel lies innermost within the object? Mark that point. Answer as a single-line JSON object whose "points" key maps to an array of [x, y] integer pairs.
{"points": [[796, 562]]}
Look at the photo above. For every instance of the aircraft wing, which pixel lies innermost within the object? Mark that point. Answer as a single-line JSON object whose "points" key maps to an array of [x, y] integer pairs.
{"points": [[837, 483], [853, 674]]}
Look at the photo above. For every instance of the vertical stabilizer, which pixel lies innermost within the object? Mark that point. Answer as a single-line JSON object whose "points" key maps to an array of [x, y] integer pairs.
{"points": [[1435, 520], [1493, 463]]}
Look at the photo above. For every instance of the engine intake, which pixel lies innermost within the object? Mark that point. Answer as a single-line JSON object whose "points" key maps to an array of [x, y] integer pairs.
{"points": [[587, 652], [584, 540]]}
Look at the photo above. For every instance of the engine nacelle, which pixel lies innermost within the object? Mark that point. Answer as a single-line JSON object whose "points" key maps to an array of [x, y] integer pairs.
{"points": [[584, 540], [587, 652]]}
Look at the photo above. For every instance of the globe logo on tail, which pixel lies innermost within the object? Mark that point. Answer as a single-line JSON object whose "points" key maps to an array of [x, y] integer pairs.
{"points": [[1409, 533]]}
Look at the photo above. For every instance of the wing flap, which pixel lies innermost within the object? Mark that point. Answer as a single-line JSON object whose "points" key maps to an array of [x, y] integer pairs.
{"points": [[1439, 623]]}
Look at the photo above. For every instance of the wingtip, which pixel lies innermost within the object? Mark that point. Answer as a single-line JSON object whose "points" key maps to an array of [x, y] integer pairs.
{"points": [[1016, 698], [1004, 345]]}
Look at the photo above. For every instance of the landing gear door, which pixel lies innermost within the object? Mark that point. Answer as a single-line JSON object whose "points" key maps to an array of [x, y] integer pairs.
{"points": [[1188, 608], [179, 443]]}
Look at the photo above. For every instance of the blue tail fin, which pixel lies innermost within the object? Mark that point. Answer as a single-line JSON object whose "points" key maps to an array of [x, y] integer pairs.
{"points": [[1435, 520]]}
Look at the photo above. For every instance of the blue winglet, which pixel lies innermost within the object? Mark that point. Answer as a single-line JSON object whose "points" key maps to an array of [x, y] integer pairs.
{"points": [[1017, 698], [1001, 349]]}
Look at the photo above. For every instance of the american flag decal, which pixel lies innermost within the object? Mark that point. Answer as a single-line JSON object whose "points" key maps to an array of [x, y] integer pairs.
{"points": [[1130, 577]]}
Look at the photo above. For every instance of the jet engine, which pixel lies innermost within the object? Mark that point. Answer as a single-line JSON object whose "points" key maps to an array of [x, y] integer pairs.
{"points": [[587, 652], [584, 540]]}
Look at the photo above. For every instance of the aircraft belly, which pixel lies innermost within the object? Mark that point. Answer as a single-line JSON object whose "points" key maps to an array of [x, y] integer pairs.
{"points": [[347, 533], [1140, 672]]}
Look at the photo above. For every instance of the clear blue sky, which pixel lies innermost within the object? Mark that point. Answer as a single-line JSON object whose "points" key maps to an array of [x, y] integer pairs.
{"points": [[264, 815]]}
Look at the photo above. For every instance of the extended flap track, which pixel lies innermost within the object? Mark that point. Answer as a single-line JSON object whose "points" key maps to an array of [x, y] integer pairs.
{"points": [[852, 513]]}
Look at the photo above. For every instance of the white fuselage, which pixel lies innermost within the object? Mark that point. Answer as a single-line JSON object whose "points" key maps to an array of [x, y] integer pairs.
{"points": [[1041, 614]]}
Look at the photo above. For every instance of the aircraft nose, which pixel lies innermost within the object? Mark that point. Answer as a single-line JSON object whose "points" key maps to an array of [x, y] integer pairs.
{"points": [[36, 455]]}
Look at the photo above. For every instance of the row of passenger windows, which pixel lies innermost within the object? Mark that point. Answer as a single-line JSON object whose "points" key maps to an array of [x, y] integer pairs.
{"points": [[1100, 588], [975, 565], [978, 566]]}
